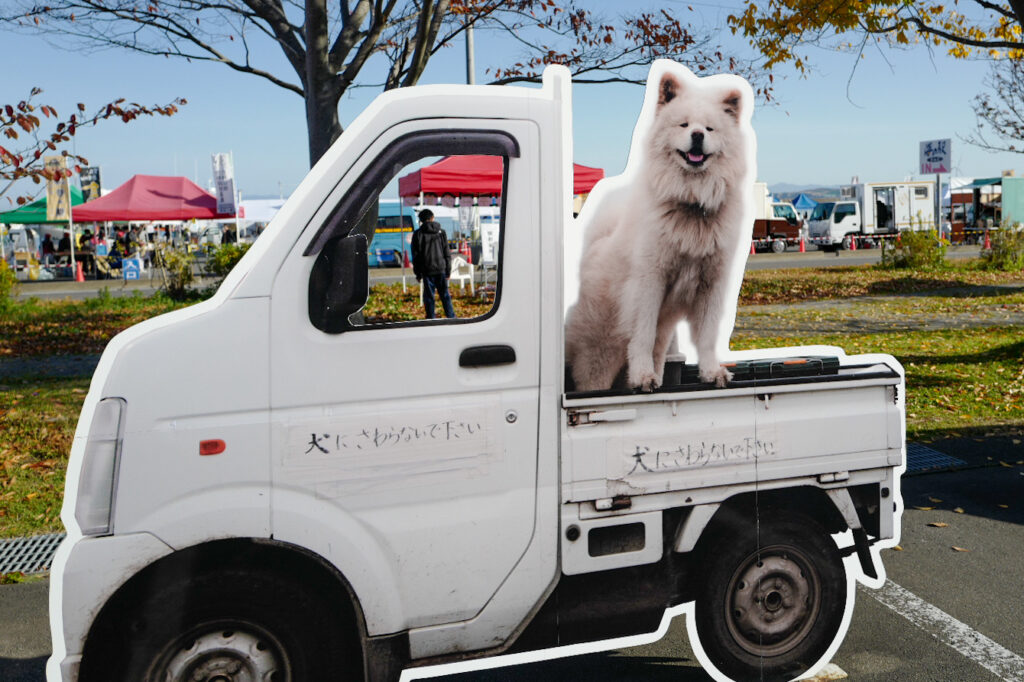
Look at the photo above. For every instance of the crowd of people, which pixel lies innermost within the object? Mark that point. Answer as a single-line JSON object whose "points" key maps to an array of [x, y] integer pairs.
{"points": [[101, 249]]}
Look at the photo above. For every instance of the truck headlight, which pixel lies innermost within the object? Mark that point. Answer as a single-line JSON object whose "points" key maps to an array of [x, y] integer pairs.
{"points": [[99, 468]]}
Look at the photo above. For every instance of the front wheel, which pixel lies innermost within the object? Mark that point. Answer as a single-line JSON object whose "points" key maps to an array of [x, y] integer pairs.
{"points": [[773, 599], [778, 245], [225, 626]]}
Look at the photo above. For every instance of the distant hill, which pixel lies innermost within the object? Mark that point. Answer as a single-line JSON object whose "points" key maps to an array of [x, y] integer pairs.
{"points": [[787, 191]]}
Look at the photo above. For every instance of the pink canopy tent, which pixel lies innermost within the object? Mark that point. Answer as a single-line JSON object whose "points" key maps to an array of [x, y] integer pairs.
{"points": [[477, 176], [151, 197]]}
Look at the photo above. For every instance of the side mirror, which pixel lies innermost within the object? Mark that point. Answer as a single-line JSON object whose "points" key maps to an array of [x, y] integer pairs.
{"points": [[339, 283]]}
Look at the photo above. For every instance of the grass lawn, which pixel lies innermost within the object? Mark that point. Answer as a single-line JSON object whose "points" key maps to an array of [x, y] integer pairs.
{"points": [[969, 378]]}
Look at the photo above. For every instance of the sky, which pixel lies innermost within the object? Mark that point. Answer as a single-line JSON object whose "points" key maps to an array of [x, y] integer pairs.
{"points": [[823, 129]]}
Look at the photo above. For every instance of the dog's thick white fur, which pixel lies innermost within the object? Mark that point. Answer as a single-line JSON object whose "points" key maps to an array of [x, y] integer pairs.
{"points": [[665, 241]]}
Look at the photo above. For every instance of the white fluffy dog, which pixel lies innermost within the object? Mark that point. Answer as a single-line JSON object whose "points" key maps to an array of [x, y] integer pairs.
{"points": [[665, 241]]}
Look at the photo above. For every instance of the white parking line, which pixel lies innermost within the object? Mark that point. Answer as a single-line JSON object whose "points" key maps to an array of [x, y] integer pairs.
{"points": [[947, 629]]}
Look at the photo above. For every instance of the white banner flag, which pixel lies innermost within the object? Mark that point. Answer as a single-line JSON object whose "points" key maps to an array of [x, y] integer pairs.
{"points": [[224, 181]]}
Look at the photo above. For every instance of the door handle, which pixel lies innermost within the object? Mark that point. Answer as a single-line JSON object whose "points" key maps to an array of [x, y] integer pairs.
{"points": [[481, 356]]}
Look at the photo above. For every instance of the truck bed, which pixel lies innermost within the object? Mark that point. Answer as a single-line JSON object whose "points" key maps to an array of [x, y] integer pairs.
{"points": [[779, 419]]}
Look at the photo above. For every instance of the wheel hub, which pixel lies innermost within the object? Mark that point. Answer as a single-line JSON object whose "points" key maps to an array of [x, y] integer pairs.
{"points": [[774, 600], [225, 654]]}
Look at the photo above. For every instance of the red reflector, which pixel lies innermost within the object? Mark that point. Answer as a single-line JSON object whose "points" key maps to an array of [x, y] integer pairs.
{"points": [[212, 447]]}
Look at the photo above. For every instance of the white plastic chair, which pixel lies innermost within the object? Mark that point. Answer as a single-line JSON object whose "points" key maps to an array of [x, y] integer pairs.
{"points": [[461, 272]]}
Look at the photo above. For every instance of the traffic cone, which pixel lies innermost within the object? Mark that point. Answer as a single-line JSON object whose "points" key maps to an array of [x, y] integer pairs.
{"points": [[79, 273], [988, 242], [853, 242], [751, 247], [405, 259], [803, 248]]}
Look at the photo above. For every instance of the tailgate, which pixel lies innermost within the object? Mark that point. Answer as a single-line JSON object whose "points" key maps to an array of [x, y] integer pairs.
{"points": [[780, 418]]}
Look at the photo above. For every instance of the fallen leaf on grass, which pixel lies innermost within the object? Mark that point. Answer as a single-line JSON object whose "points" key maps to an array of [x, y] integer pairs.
{"points": [[1004, 464], [959, 510], [934, 499], [44, 464], [925, 508], [1003, 506], [960, 549], [938, 524]]}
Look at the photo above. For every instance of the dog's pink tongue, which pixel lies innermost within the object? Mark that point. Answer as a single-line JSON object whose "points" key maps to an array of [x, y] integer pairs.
{"points": [[695, 158]]}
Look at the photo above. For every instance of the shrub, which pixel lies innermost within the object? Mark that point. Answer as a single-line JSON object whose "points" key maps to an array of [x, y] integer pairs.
{"points": [[223, 258], [177, 273], [915, 249], [8, 282], [1007, 252]]}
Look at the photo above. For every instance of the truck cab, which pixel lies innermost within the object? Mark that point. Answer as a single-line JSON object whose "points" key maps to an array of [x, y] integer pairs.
{"points": [[832, 223], [283, 510]]}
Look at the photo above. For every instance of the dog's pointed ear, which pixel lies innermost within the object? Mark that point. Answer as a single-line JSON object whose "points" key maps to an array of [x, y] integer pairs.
{"points": [[732, 103], [668, 89]]}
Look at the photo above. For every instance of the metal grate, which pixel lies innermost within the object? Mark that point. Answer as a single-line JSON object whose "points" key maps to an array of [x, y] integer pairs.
{"points": [[29, 555], [921, 458]]}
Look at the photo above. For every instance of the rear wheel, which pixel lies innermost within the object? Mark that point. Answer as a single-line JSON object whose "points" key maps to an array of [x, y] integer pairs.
{"points": [[773, 599], [230, 626]]}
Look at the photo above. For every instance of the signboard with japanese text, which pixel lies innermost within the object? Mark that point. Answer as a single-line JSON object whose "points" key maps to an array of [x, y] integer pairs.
{"points": [[224, 182], [58, 193], [936, 156], [131, 268], [89, 176]]}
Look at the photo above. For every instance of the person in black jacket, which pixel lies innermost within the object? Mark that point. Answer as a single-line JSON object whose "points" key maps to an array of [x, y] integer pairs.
{"points": [[432, 263]]}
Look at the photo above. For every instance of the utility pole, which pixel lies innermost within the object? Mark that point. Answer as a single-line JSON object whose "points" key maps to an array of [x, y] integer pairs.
{"points": [[470, 75]]}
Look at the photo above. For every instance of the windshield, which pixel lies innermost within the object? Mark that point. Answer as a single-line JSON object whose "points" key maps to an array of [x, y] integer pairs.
{"points": [[784, 211], [823, 211]]}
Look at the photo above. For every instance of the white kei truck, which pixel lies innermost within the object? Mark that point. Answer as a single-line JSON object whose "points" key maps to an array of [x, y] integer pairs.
{"points": [[269, 485], [871, 212]]}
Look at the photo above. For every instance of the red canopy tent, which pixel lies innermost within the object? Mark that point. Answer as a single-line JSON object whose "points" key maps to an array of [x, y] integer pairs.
{"points": [[151, 197], [477, 176]]}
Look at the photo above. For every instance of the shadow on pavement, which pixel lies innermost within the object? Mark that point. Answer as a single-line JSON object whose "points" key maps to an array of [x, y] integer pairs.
{"points": [[23, 669], [600, 666], [992, 484]]}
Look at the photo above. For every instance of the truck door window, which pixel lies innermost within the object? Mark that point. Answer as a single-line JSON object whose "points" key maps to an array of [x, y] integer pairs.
{"points": [[844, 210], [456, 201]]}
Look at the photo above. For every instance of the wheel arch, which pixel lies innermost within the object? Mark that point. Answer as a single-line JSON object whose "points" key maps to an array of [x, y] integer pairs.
{"points": [[280, 560], [807, 501]]}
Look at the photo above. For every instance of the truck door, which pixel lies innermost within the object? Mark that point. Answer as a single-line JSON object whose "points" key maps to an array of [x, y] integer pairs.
{"points": [[885, 216], [412, 443]]}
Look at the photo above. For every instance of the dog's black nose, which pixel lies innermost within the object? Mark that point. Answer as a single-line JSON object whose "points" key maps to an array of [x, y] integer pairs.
{"points": [[698, 138]]}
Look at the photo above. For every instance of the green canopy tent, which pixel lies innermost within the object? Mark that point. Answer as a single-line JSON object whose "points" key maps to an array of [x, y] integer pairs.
{"points": [[35, 213]]}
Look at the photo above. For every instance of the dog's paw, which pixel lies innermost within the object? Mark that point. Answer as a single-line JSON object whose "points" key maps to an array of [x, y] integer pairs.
{"points": [[645, 381], [717, 375]]}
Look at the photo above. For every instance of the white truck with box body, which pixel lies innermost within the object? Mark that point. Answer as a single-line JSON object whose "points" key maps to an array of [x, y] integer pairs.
{"points": [[870, 212], [337, 496]]}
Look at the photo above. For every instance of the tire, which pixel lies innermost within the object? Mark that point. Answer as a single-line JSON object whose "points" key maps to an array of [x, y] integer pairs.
{"points": [[847, 242], [229, 625], [778, 245], [749, 616]]}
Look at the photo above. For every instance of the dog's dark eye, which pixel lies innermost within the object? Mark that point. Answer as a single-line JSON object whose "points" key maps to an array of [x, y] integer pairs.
{"points": [[711, 130], [683, 125]]}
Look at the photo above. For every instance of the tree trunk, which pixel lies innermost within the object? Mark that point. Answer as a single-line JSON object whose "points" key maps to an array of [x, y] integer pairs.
{"points": [[322, 91], [322, 122]]}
